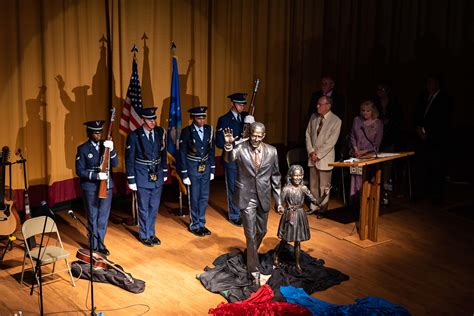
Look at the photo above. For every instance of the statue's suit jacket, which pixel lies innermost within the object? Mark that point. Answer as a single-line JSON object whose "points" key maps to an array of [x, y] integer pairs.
{"points": [[255, 184]]}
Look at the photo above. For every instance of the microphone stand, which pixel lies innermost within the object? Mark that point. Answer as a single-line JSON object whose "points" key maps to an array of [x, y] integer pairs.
{"points": [[370, 141], [91, 235], [37, 273]]}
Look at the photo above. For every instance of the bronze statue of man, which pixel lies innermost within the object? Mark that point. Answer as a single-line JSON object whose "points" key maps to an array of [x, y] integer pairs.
{"points": [[258, 175]]}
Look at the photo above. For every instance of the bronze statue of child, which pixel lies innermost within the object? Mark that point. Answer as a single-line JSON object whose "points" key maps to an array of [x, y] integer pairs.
{"points": [[294, 225]]}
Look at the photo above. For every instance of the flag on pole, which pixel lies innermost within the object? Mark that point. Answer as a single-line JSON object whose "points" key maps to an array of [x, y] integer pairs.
{"points": [[130, 119], [174, 124], [174, 119]]}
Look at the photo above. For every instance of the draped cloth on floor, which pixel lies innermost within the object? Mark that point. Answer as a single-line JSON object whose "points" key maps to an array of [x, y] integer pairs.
{"points": [[258, 304], [368, 306], [111, 276], [229, 275]]}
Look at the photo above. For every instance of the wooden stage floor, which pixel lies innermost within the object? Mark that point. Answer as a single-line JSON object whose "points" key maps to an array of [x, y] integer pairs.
{"points": [[427, 267]]}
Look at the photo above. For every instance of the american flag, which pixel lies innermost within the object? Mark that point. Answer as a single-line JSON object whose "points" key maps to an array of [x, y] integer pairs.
{"points": [[130, 119]]}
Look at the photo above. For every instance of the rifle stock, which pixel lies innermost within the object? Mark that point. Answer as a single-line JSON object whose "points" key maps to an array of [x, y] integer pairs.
{"points": [[105, 159]]}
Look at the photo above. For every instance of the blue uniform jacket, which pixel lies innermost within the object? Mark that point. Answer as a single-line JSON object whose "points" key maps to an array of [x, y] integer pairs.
{"points": [[192, 149], [137, 167], [229, 120], [87, 165]]}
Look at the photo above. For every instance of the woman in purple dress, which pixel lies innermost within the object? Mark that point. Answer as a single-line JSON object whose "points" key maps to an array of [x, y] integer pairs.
{"points": [[365, 138]]}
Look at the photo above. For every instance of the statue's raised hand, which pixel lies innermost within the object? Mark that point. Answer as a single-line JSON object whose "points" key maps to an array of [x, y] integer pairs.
{"points": [[228, 136]]}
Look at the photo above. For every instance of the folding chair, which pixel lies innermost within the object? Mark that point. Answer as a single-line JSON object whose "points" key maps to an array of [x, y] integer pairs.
{"points": [[49, 254]]}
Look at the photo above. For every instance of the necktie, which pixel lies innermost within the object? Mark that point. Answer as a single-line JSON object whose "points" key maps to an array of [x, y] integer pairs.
{"points": [[150, 137], [239, 117], [257, 158], [430, 99], [96, 146], [320, 126], [201, 134]]}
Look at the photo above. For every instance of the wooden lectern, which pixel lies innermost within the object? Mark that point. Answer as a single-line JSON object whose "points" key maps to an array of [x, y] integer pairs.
{"points": [[370, 192]]}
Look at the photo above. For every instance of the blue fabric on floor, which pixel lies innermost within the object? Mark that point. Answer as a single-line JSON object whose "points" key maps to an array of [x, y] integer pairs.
{"points": [[369, 306]]}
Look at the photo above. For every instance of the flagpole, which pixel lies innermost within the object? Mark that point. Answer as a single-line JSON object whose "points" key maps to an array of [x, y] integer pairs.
{"points": [[174, 128], [130, 120], [176, 144]]}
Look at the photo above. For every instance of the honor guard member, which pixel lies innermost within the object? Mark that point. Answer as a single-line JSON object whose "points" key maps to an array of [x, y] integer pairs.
{"points": [[233, 119], [88, 160], [196, 153], [146, 165]]}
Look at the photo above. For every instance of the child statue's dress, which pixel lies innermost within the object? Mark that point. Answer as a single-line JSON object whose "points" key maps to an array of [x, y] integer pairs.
{"points": [[294, 222]]}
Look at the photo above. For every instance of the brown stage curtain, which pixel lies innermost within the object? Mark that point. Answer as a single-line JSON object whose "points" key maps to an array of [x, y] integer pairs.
{"points": [[54, 67]]}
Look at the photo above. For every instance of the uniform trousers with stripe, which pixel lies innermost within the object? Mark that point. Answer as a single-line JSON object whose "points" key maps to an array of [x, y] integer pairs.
{"points": [[148, 205], [199, 194]]}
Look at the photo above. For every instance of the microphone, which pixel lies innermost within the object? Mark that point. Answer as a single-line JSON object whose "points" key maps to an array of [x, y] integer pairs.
{"points": [[71, 213], [48, 210]]}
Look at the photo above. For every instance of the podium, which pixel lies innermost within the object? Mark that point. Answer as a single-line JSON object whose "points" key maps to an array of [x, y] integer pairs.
{"points": [[370, 195]]}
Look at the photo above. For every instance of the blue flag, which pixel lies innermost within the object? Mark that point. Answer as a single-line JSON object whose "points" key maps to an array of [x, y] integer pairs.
{"points": [[174, 120]]}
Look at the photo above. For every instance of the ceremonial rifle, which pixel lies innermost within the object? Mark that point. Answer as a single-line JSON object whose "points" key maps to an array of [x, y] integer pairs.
{"points": [[105, 159], [251, 108], [254, 95]]}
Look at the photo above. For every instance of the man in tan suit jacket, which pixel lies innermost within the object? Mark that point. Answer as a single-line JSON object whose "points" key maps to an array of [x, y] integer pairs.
{"points": [[321, 137]]}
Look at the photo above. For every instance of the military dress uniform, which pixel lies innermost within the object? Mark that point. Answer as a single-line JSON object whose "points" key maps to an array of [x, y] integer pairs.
{"points": [[146, 166], [235, 121], [87, 168], [197, 162]]}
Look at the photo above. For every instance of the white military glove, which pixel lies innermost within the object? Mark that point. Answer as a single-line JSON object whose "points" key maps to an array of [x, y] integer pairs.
{"points": [[187, 181], [165, 178], [249, 119], [109, 144], [212, 176], [102, 176], [132, 186]]}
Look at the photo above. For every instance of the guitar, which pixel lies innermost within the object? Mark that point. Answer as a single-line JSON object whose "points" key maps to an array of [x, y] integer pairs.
{"points": [[9, 219], [100, 261]]}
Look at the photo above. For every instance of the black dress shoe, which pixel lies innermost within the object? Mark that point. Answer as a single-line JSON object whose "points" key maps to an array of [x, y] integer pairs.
{"points": [[155, 240], [147, 242], [236, 222], [104, 251], [320, 215], [197, 231], [205, 231]]}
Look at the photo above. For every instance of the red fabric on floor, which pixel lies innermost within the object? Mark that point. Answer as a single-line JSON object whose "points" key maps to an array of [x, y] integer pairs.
{"points": [[259, 304]]}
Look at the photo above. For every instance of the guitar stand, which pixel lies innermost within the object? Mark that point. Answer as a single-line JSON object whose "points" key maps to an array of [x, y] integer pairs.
{"points": [[9, 246]]}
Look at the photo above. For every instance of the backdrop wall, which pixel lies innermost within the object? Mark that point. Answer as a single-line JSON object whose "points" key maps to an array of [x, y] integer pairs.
{"points": [[54, 67]]}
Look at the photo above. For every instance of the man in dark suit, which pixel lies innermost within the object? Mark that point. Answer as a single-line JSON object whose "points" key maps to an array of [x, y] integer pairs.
{"points": [[197, 166], [146, 167], [432, 127], [234, 119], [327, 89], [88, 160], [258, 175]]}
